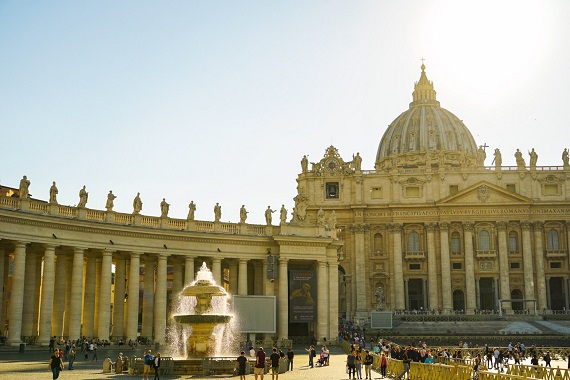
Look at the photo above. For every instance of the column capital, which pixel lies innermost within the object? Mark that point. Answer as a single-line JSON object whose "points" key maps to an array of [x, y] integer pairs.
{"points": [[163, 256], [431, 227], [321, 263], [79, 250], [216, 260], [501, 225], [468, 226], [21, 244], [443, 226], [525, 224], [50, 246], [135, 255], [395, 227], [242, 260], [359, 228], [283, 260], [538, 226]]}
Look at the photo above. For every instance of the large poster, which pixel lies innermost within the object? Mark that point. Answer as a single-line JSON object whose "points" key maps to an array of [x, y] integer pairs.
{"points": [[302, 296]]}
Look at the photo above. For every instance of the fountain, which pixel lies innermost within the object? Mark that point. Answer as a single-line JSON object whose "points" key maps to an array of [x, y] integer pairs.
{"points": [[201, 341]]}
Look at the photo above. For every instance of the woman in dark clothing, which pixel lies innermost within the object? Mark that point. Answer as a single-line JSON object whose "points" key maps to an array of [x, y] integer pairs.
{"points": [[55, 364]]}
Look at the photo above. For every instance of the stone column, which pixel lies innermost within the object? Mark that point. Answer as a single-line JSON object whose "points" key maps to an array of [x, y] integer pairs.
{"points": [[242, 277], [29, 299], [66, 309], [37, 296], [188, 270], [446, 295], [333, 295], [425, 290], [432, 267], [160, 300], [360, 279], [119, 298], [527, 261], [322, 301], [47, 296], [177, 285], [548, 300], [98, 266], [496, 287], [349, 308], [406, 297], [470, 298], [477, 292], [104, 320], [3, 266], [283, 301], [133, 299], [398, 267], [505, 288], [76, 294], [148, 297], [257, 277], [217, 270], [17, 298], [539, 257], [89, 297], [58, 296], [233, 267]]}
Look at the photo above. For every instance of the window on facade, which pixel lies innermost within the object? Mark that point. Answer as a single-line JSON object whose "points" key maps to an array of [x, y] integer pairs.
{"points": [[513, 242], [413, 242], [550, 190], [484, 240], [378, 243], [553, 240], [515, 265], [332, 190], [376, 193], [455, 243], [555, 265], [453, 189], [512, 187], [412, 192], [415, 266], [456, 266]]}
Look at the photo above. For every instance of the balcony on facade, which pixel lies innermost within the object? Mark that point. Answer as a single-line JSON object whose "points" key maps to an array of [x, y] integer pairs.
{"points": [[556, 254], [486, 254], [414, 255]]}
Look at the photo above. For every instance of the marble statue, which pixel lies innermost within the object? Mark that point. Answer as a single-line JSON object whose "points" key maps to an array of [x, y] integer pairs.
{"points": [[268, 216], [217, 212], [24, 185], [481, 156], [304, 164], [137, 204], [498, 158], [380, 298], [321, 217], [83, 195], [110, 198], [519, 159], [242, 214], [191, 210], [565, 158], [332, 220], [533, 158], [283, 215], [53, 191], [164, 207], [357, 161]]}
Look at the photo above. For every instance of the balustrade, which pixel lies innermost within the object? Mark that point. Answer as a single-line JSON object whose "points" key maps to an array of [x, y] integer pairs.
{"points": [[123, 218], [9, 202], [67, 211], [39, 207], [486, 254], [230, 228], [177, 224], [204, 226], [96, 215], [415, 255]]}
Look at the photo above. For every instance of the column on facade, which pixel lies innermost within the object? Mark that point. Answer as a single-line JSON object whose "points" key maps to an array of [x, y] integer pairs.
{"points": [[268, 287], [539, 257], [132, 323], [66, 308], [233, 268], [400, 294], [242, 277], [2, 286], [48, 281], [406, 292], [548, 300], [217, 270], [446, 295], [566, 298], [322, 301], [89, 297], [257, 277], [283, 301], [104, 294], [119, 298], [188, 270], [470, 297], [527, 261], [160, 300], [58, 296], [29, 289], [478, 292], [332, 293], [76, 294], [360, 275], [98, 265], [177, 284], [17, 296], [148, 297], [432, 267], [496, 286], [348, 293], [505, 288], [37, 296]]}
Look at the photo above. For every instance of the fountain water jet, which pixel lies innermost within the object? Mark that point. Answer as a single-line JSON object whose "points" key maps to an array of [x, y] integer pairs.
{"points": [[203, 321]]}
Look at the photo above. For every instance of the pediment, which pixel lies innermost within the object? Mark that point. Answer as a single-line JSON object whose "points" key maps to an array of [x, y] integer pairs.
{"points": [[484, 193]]}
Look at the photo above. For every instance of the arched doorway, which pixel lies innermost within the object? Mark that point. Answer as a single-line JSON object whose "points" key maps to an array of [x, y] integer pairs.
{"points": [[516, 294], [458, 300]]}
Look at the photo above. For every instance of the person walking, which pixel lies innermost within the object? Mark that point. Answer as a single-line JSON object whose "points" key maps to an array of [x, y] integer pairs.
{"points": [[290, 356], [274, 364], [55, 364], [368, 360], [71, 357], [351, 365], [156, 365], [259, 363], [147, 364], [359, 363], [383, 364], [312, 354], [241, 362]]}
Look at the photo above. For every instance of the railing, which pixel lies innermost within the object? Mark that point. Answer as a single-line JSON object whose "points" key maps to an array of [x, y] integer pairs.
{"points": [[255, 230], [96, 215], [415, 255], [9, 202], [204, 226], [230, 228], [555, 253], [486, 254], [41, 208], [124, 218], [150, 221], [177, 224], [67, 212], [459, 253]]}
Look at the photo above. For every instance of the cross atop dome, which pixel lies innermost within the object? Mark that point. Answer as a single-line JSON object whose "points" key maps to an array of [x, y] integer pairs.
{"points": [[423, 90]]}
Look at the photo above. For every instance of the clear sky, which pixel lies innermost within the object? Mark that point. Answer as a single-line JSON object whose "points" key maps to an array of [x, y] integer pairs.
{"points": [[217, 101]]}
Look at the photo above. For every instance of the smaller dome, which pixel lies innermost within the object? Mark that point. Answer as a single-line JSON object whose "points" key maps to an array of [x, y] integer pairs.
{"points": [[426, 135]]}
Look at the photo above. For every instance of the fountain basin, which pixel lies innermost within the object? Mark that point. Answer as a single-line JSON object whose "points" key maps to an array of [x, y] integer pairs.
{"points": [[194, 319]]}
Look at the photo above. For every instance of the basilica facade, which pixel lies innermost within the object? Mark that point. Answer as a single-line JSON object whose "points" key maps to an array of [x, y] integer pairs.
{"points": [[434, 228]]}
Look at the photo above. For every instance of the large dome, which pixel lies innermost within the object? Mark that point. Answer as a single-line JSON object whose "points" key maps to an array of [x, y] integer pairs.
{"points": [[426, 133]]}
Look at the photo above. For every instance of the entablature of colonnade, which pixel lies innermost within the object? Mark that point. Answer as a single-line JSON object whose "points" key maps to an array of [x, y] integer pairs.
{"points": [[320, 249]]}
